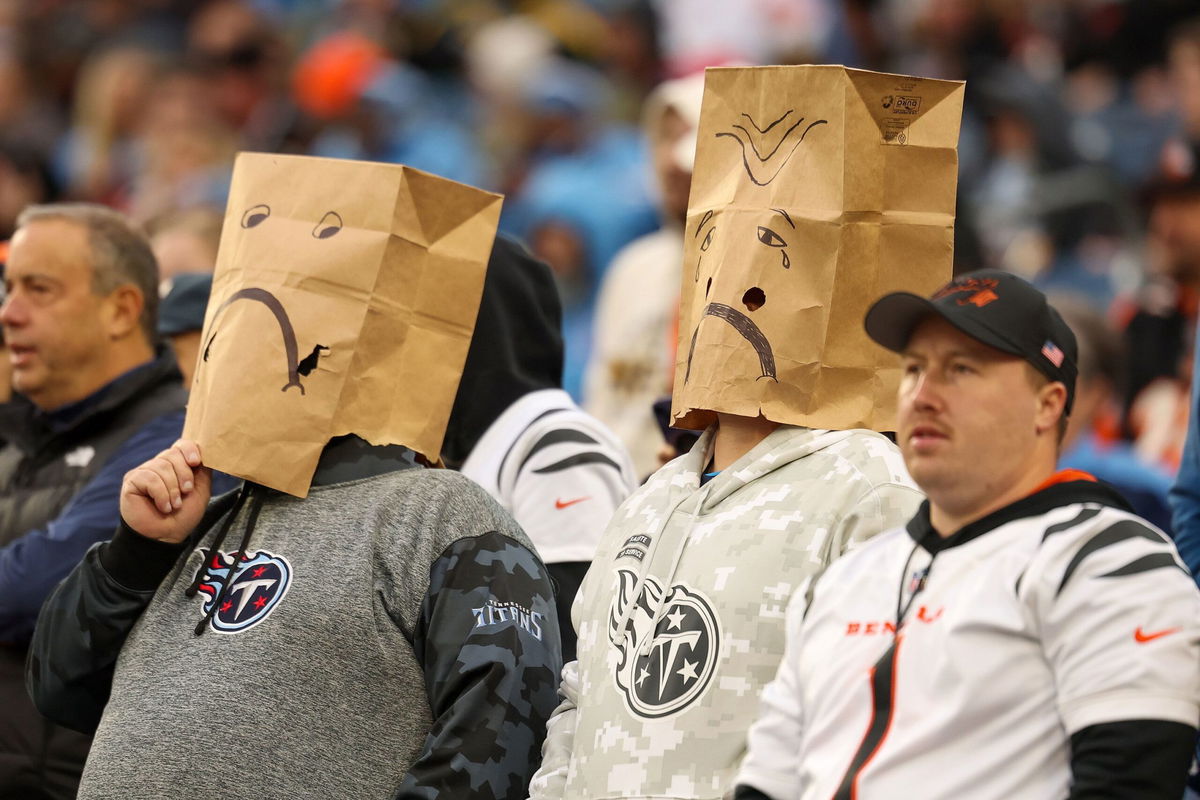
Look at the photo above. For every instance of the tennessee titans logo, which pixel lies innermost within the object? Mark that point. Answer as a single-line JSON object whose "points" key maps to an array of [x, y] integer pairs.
{"points": [[258, 585], [668, 647]]}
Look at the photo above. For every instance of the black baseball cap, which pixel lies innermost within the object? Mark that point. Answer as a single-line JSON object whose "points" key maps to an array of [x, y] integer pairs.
{"points": [[182, 309], [991, 306]]}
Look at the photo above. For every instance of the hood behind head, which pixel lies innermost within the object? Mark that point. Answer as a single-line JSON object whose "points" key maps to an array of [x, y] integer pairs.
{"points": [[683, 96], [517, 347]]}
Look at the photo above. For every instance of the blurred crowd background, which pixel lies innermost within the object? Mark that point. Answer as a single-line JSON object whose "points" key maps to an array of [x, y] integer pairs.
{"points": [[1078, 152]]}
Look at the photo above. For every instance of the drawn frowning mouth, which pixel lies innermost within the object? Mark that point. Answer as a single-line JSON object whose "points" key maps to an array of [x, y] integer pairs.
{"points": [[295, 366], [748, 330]]}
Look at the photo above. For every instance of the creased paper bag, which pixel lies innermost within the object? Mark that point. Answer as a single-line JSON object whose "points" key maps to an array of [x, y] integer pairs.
{"points": [[816, 190], [343, 301]]}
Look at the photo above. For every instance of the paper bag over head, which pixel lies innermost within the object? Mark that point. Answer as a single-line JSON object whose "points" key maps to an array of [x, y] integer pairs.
{"points": [[816, 190], [344, 299]]}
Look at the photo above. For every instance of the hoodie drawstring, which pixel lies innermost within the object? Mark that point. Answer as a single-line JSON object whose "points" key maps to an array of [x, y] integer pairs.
{"points": [[678, 557], [219, 539], [644, 575], [227, 579]]}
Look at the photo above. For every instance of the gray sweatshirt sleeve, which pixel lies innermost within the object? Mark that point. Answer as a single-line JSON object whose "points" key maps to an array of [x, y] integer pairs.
{"points": [[487, 639]]}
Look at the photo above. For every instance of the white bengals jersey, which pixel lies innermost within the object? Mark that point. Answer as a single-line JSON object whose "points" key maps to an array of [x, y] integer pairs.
{"points": [[557, 469], [1055, 613]]}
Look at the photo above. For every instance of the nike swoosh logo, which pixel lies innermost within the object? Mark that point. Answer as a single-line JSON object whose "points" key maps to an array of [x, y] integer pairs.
{"points": [[1141, 637], [560, 505]]}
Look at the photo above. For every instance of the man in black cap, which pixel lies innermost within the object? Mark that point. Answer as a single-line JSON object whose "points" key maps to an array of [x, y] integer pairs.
{"points": [[181, 318], [1025, 635]]}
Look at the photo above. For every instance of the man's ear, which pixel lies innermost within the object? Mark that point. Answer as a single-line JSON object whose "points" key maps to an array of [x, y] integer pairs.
{"points": [[123, 308], [1051, 405]]}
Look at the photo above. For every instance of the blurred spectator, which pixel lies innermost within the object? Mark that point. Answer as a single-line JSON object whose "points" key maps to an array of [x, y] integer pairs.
{"points": [[185, 241], [585, 195], [501, 58], [95, 401], [375, 108], [24, 180], [1024, 123], [28, 119], [700, 33], [244, 59], [184, 148], [97, 157], [181, 318], [631, 56], [1089, 444], [633, 352], [1185, 502], [1160, 321]]}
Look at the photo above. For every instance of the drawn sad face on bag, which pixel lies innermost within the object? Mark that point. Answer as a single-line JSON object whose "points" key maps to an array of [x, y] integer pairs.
{"points": [[784, 250], [756, 262], [343, 301]]}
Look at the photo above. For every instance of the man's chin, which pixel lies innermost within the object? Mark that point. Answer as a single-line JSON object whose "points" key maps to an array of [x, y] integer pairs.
{"points": [[25, 383], [928, 472]]}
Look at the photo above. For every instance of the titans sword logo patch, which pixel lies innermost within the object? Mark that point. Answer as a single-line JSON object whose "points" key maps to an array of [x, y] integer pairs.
{"points": [[668, 647], [257, 586]]}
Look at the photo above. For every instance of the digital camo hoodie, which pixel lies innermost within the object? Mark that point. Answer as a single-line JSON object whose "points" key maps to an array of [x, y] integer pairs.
{"points": [[391, 635], [681, 617]]}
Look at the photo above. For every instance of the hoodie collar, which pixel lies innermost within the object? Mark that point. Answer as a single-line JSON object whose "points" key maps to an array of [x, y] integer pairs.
{"points": [[780, 447], [349, 458], [1063, 488]]}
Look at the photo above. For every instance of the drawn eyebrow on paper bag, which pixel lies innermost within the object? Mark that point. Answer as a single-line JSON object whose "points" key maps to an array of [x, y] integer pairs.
{"points": [[762, 161]]}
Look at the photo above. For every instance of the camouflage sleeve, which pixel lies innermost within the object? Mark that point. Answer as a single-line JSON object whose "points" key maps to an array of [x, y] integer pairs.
{"points": [[881, 508], [85, 622], [487, 639], [551, 779]]}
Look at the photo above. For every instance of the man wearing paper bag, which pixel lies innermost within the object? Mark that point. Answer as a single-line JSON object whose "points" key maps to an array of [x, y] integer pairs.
{"points": [[393, 633], [804, 206]]}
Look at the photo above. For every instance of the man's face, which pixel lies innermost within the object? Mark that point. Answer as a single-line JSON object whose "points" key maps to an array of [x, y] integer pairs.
{"points": [[54, 324], [966, 417], [674, 182], [1175, 225]]}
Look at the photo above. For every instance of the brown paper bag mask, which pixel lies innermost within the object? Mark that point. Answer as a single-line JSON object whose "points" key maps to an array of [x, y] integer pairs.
{"points": [[816, 190], [343, 301]]}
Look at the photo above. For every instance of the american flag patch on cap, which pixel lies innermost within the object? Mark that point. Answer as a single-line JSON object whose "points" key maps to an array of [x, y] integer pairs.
{"points": [[1052, 353]]}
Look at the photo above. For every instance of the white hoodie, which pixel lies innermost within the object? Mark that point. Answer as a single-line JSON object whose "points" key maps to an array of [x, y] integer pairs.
{"points": [[681, 617]]}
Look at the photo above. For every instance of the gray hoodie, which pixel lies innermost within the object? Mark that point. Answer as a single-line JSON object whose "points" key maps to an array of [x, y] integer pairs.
{"points": [[388, 636]]}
